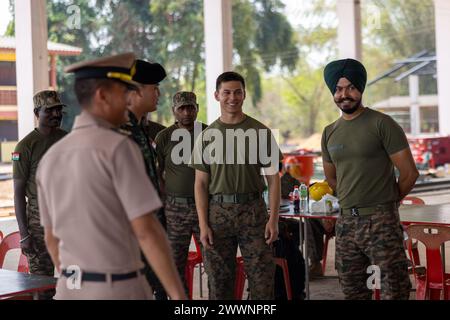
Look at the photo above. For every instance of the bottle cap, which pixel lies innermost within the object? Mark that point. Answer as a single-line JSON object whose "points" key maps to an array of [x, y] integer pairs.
{"points": [[296, 186]]}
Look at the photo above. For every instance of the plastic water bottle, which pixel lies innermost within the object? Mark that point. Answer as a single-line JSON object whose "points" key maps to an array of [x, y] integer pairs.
{"points": [[303, 198], [296, 199]]}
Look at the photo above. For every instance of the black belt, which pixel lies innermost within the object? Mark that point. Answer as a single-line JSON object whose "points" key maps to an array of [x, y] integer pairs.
{"points": [[238, 198], [103, 277], [180, 200], [367, 211]]}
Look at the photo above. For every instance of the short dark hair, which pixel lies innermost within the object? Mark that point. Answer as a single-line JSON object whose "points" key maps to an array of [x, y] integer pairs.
{"points": [[85, 89], [229, 76]]}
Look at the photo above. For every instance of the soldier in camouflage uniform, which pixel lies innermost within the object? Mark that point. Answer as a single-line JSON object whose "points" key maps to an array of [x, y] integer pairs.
{"points": [[152, 128], [228, 195], [360, 151], [145, 100], [26, 157], [181, 214]]}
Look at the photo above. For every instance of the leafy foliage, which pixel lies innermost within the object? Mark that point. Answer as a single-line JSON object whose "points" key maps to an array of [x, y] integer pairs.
{"points": [[172, 33]]}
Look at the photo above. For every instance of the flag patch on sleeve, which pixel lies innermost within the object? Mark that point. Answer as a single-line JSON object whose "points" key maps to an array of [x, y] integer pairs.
{"points": [[15, 156]]}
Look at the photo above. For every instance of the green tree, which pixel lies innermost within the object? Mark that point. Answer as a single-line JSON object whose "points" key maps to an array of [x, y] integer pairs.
{"points": [[171, 33], [263, 38], [310, 98], [406, 26], [178, 44], [305, 104], [84, 36], [261, 35]]}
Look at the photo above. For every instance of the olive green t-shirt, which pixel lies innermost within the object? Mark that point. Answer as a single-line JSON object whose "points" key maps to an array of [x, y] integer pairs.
{"points": [[174, 160], [234, 154], [360, 150], [27, 154]]}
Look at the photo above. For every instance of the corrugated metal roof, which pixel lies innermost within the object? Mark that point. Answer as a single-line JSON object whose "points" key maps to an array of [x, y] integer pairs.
{"points": [[9, 43]]}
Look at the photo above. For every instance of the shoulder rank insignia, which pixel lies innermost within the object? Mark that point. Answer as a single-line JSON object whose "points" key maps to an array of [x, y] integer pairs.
{"points": [[15, 156]]}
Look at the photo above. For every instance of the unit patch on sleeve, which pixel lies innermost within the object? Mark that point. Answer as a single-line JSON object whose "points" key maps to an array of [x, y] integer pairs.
{"points": [[15, 156]]}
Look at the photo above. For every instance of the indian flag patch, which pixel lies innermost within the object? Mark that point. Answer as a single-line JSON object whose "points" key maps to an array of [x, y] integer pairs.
{"points": [[15, 156]]}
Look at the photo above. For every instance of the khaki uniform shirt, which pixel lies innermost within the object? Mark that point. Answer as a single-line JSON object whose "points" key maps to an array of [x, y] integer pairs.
{"points": [[91, 184]]}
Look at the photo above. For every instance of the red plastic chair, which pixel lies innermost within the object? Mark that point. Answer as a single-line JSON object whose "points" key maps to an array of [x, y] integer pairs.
{"points": [[287, 280], [240, 279], [414, 201], [241, 276], [194, 259], [10, 242], [433, 281]]}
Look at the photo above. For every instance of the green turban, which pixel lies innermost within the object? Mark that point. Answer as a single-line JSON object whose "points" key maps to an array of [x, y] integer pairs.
{"points": [[350, 69]]}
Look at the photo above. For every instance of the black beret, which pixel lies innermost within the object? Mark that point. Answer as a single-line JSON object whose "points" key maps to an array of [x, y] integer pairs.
{"points": [[148, 73], [351, 69]]}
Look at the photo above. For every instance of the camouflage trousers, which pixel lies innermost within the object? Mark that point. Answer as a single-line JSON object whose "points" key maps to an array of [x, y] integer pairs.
{"points": [[39, 261], [182, 223], [243, 225], [372, 240]]}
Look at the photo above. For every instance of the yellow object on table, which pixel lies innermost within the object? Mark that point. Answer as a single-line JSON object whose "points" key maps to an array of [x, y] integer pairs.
{"points": [[319, 189]]}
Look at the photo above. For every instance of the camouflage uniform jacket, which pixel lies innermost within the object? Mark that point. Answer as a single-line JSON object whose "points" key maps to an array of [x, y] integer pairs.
{"points": [[137, 133]]}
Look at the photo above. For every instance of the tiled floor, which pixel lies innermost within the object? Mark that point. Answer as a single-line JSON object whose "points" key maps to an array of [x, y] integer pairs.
{"points": [[326, 288]]}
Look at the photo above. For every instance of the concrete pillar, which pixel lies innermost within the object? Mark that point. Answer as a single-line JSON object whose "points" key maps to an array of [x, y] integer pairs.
{"points": [[442, 14], [414, 105], [218, 48], [53, 83], [349, 29], [31, 58]]}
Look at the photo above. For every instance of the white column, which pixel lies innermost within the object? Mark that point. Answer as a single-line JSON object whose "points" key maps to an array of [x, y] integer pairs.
{"points": [[442, 13], [349, 29], [414, 104], [218, 48], [31, 58]]}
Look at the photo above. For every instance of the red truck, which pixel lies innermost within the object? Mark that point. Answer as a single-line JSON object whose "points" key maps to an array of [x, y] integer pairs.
{"points": [[430, 152]]}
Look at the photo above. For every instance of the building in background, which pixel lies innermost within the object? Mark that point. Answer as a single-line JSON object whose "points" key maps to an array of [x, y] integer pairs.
{"points": [[8, 97], [399, 108], [8, 94]]}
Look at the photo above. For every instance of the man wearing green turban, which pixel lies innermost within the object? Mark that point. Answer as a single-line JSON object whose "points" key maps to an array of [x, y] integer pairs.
{"points": [[354, 73], [360, 151]]}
